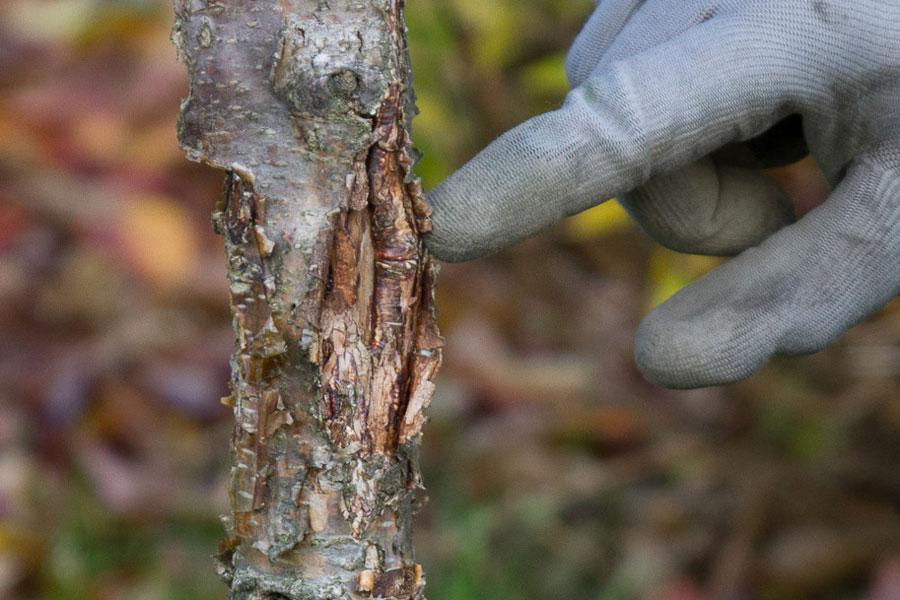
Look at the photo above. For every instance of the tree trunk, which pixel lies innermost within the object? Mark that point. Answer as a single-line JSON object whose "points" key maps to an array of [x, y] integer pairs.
{"points": [[306, 105]]}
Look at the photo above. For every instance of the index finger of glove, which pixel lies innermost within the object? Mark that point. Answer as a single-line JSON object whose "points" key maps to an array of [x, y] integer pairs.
{"points": [[647, 114]]}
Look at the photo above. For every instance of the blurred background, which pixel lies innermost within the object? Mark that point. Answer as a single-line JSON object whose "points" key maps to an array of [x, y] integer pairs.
{"points": [[553, 469]]}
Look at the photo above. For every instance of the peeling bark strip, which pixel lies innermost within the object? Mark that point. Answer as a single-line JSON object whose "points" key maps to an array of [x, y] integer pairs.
{"points": [[305, 104]]}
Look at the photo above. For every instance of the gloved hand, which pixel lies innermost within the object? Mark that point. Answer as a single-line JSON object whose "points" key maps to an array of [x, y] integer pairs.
{"points": [[660, 87]]}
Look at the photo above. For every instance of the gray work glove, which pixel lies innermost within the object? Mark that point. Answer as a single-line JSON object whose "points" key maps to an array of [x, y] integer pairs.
{"points": [[661, 85]]}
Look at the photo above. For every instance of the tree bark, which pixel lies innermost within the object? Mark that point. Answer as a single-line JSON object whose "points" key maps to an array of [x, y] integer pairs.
{"points": [[306, 106]]}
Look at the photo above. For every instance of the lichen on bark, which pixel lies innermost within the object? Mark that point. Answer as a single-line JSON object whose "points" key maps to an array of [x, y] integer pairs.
{"points": [[306, 105]]}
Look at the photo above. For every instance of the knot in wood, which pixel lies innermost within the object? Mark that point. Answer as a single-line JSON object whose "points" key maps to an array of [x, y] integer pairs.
{"points": [[343, 82], [325, 69]]}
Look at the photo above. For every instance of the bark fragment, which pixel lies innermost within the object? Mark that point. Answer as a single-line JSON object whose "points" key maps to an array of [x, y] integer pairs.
{"points": [[305, 104]]}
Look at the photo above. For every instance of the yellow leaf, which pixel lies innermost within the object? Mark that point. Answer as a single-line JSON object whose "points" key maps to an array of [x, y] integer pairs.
{"points": [[599, 221], [670, 271]]}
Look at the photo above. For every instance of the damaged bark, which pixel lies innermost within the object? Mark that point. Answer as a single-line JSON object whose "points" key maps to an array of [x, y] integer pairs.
{"points": [[306, 105]]}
